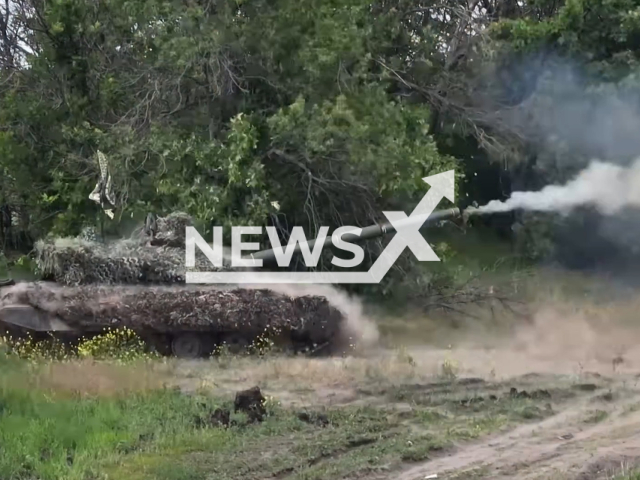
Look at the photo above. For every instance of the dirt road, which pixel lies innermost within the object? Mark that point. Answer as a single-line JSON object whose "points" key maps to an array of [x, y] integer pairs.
{"points": [[596, 438]]}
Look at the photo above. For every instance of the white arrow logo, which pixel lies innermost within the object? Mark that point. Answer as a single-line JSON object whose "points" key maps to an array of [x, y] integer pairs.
{"points": [[407, 235]]}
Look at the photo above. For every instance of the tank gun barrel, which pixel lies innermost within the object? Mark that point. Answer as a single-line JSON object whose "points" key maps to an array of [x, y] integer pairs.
{"points": [[373, 231]]}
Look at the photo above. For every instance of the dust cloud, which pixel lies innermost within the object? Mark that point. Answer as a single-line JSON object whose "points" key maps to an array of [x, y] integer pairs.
{"points": [[359, 331], [563, 338]]}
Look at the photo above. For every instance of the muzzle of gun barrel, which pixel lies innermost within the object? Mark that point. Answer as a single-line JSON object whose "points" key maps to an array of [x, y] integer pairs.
{"points": [[468, 212]]}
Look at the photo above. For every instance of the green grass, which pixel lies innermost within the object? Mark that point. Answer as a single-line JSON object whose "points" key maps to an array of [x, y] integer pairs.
{"points": [[48, 434], [357, 440], [153, 435], [58, 423], [629, 476]]}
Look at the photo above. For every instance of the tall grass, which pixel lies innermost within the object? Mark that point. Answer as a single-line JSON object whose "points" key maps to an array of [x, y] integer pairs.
{"points": [[56, 424], [62, 416]]}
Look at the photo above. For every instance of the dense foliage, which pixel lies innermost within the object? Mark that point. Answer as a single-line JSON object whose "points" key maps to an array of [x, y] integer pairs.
{"points": [[301, 112]]}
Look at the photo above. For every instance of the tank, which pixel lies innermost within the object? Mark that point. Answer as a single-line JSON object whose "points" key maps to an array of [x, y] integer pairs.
{"points": [[88, 285]]}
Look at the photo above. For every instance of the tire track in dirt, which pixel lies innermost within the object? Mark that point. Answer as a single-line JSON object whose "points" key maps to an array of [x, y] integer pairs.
{"points": [[536, 451]]}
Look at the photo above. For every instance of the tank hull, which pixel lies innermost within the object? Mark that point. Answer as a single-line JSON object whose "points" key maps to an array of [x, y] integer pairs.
{"points": [[165, 316]]}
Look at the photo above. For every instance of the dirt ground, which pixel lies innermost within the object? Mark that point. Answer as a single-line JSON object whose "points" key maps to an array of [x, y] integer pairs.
{"points": [[595, 437], [580, 372], [592, 430]]}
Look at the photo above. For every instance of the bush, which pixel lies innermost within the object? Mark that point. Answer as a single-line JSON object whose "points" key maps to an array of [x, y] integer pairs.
{"points": [[115, 344], [122, 345]]}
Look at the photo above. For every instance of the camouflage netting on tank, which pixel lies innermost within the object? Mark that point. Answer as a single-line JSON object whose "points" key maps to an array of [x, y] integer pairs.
{"points": [[137, 260], [171, 230], [165, 309]]}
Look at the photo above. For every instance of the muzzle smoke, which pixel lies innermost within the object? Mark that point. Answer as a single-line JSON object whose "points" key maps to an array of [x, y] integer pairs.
{"points": [[606, 186]]}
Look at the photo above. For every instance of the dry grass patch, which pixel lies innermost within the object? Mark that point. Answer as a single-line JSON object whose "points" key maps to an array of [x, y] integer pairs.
{"points": [[94, 378], [310, 378]]}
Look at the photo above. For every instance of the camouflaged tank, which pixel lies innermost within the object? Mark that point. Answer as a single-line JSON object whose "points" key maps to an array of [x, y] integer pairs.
{"points": [[139, 283], [89, 285]]}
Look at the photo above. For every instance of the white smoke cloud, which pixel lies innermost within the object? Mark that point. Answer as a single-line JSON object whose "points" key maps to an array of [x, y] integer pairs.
{"points": [[606, 186]]}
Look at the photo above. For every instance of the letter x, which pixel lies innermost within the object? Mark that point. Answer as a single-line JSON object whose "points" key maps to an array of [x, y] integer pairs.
{"points": [[409, 235]]}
